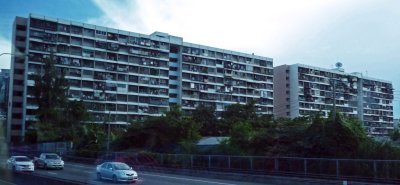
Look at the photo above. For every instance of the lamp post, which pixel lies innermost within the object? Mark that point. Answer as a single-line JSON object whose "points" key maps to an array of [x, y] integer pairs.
{"points": [[6, 54], [17, 54]]}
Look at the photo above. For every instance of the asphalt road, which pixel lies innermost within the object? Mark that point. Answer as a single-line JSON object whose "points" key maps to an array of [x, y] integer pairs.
{"points": [[86, 174]]}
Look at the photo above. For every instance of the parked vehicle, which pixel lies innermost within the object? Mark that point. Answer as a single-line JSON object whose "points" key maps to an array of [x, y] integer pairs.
{"points": [[20, 163], [49, 160], [116, 171]]}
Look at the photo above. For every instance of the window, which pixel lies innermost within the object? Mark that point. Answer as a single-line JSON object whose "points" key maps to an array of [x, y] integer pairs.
{"points": [[21, 28], [101, 34], [76, 41], [76, 30], [17, 104], [173, 86], [18, 82], [109, 166], [17, 115], [174, 49], [17, 93], [98, 32], [63, 28], [16, 127], [19, 71], [19, 38]]}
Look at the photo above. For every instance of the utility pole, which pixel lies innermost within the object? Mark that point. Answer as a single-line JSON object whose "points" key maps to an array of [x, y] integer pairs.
{"points": [[108, 121]]}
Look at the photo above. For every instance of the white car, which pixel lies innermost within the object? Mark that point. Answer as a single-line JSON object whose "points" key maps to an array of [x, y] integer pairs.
{"points": [[20, 163], [116, 171], [48, 160]]}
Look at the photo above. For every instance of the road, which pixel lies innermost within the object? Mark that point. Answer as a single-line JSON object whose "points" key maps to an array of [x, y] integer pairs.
{"points": [[86, 174]]}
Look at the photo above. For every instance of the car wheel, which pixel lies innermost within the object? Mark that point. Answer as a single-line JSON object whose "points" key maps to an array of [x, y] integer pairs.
{"points": [[99, 176], [114, 179], [36, 165], [45, 166]]}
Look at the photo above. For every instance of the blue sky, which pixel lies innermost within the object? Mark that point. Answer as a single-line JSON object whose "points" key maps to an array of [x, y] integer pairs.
{"points": [[362, 34], [68, 9]]}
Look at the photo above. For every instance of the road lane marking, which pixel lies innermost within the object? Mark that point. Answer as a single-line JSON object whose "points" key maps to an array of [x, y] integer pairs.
{"points": [[77, 165], [6, 182], [53, 173], [80, 166], [188, 179], [178, 178]]}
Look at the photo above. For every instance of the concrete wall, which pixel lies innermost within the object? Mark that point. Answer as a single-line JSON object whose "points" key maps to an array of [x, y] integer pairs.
{"points": [[280, 89]]}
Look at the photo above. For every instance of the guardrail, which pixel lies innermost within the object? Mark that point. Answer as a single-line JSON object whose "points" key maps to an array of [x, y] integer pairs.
{"points": [[356, 169]]}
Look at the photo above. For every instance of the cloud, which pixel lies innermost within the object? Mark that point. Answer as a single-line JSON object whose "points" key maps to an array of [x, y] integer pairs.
{"points": [[264, 27], [5, 47], [362, 34]]}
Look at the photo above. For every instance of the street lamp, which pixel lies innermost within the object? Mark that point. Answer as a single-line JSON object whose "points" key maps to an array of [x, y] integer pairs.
{"points": [[6, 54], [16, 54]]}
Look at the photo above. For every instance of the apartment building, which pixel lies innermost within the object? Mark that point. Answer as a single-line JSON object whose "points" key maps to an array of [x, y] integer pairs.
{"points": [[128, 75], [306, 90]]}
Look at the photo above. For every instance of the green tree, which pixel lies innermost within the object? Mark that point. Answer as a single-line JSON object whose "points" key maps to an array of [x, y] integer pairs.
{"points": [[205, 117], [394, 134], [164, 133], [91, 140], [59, 118], [331, 138], [236, 113], [75, 113], [241, 136]]}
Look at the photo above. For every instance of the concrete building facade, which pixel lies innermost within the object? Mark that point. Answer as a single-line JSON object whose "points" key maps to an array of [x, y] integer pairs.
{"points": [[302, 90], [129, 75]]}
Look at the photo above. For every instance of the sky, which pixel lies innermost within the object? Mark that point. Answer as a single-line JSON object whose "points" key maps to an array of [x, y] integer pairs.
{"points": [[364, 35]]}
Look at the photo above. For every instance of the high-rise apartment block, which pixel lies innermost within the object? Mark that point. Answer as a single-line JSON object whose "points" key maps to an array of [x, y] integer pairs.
{"points": [[130, 75], [305, 90]]}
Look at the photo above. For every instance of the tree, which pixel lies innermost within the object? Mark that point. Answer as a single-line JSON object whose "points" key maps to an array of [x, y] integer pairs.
{"points": [[75, 112], [242, 135], [91, 140], [50, 91], [59, 118], [332, 138], [205, 117], [164, 133], [236, 113], [394, 134]]}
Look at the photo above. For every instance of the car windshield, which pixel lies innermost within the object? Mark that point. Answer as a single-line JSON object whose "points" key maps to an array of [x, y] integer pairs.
{"points": [[51, 157], [121, 166], [22, 159]]}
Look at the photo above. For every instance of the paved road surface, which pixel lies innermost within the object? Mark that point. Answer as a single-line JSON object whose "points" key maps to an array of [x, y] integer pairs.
{"points": [[86, 174]]}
